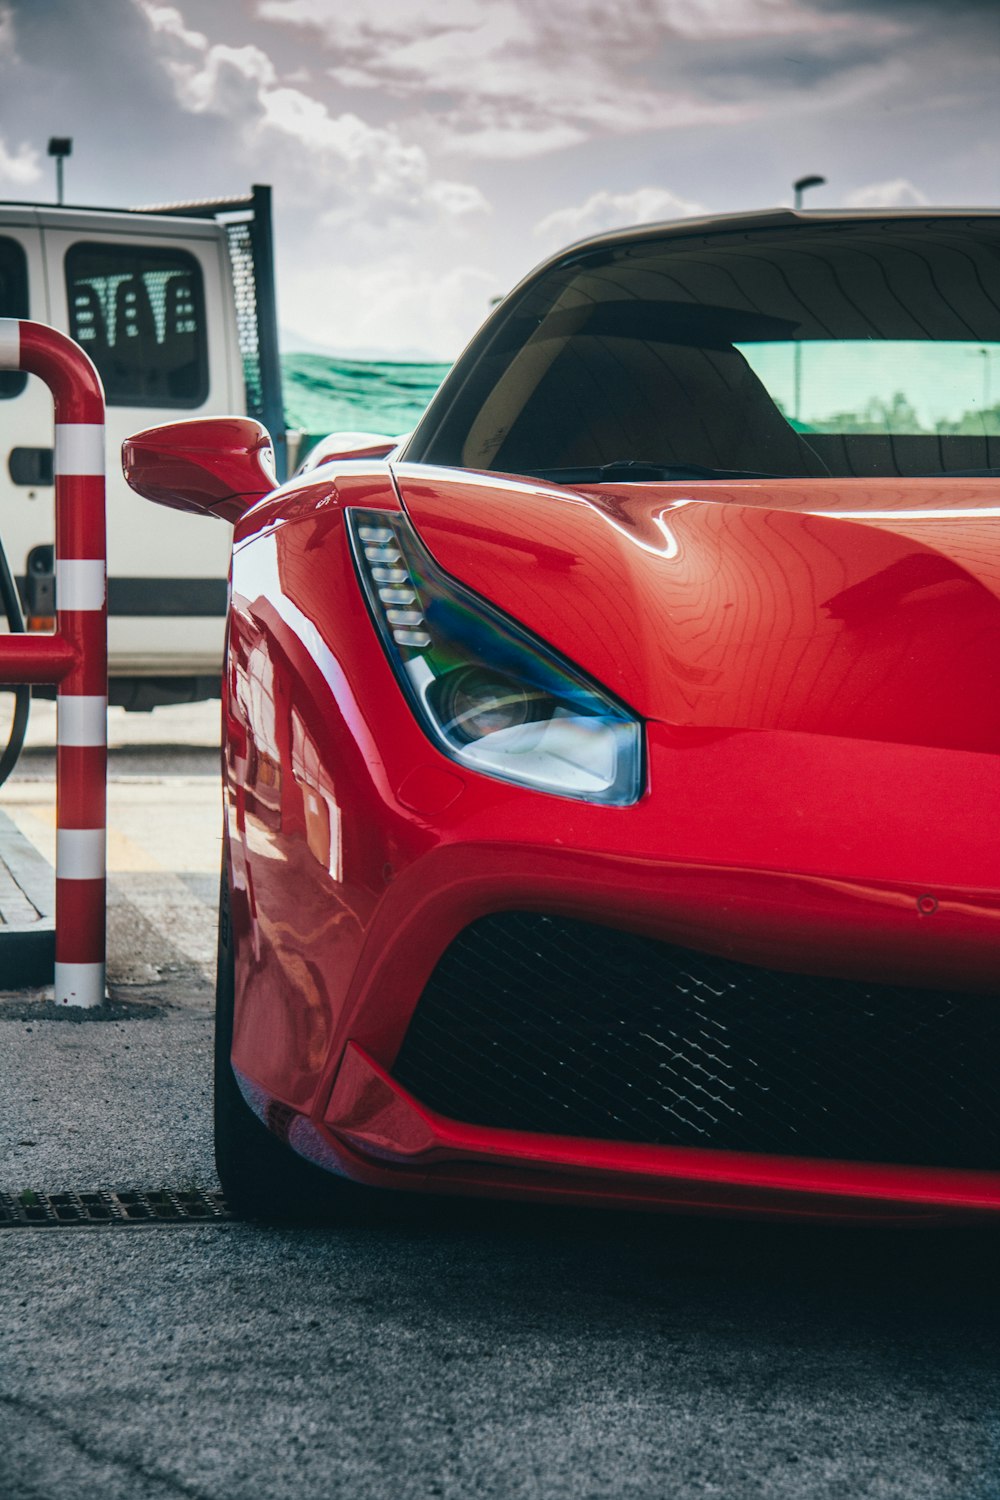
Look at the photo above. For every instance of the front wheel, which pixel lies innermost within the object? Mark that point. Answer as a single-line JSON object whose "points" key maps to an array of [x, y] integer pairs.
{"points": [[261, 1177]]}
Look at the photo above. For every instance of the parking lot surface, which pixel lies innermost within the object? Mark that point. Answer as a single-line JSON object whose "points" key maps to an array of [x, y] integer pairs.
{"points": [[451, 1350]]}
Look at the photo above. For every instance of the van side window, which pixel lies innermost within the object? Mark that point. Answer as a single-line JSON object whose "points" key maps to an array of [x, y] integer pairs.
{"points": [[13, 304], [140, 314]]}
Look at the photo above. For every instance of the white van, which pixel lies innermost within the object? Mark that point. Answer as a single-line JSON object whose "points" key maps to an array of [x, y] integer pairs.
{"points": [[176, 308]]}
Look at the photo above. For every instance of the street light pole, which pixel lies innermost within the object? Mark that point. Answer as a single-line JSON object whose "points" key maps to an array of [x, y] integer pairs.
{"points": [[799, 186], [60, 146], [805, 182]]}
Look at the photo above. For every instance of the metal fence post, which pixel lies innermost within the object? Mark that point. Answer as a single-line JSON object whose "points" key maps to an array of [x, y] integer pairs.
{"points": [[75, 658], [273, 407]]}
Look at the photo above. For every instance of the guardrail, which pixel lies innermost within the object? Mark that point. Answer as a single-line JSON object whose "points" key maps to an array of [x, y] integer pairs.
{"points": [[75, 657]]}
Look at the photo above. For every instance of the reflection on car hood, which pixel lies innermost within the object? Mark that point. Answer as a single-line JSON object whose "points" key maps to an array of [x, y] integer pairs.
{"points": [[864, 608]]}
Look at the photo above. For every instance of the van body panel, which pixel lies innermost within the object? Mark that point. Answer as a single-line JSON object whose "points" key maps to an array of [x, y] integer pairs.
{"points": [[26, 418], [162, 278]]}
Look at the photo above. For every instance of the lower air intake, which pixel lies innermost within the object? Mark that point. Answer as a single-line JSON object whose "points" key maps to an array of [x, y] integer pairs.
{"points": [[545, 1024]]}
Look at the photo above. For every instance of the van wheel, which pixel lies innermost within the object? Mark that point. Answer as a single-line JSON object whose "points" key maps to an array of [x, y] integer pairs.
{"points": [[261, 1177]]}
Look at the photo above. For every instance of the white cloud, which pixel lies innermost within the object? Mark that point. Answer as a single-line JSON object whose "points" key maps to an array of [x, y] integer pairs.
{"points": [[8, 38], [604, 210], [356, 23], [22, 166], [226, 79], [349, 162], [354, 78], [374, 162], [457, 198], [509, 80], [403, 304], [219, 79], [515, 78], [500, 135], [169, 21], [900, 192], [556, 114], [707, 19], [344, 138]]}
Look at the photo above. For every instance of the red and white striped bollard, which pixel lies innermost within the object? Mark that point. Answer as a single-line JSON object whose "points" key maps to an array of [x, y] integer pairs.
{"points": [[81, 673]]}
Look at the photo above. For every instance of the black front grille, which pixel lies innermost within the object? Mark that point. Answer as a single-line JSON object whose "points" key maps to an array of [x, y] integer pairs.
{"points": [[540, 1023]]}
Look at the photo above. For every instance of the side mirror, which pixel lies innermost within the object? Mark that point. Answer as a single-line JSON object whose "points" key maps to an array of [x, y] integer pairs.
{"points": [[212, 466]]}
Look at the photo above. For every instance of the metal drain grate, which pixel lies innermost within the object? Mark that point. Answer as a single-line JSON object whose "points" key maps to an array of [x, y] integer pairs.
{"points": [[31, 1210]]}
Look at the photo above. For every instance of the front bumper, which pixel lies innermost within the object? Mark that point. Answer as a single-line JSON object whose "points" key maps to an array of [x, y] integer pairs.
{"points": [[376, 1133], [358, 1120]]}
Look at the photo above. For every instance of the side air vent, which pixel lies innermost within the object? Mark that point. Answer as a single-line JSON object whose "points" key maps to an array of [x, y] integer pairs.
{"points": [[540, 1023]]}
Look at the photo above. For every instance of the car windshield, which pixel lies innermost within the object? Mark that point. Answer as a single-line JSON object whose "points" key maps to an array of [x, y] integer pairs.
{"points": [[868, 348]]}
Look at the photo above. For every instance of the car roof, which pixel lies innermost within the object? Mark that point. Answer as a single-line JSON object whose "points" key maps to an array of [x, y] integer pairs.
{"points": [[765, 218]]}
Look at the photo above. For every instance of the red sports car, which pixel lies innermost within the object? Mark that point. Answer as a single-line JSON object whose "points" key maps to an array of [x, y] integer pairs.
{"points": [[611, 772]]}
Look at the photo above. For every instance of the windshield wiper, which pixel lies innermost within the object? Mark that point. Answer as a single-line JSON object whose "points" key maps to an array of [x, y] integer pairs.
{"points": [[638, 471]]}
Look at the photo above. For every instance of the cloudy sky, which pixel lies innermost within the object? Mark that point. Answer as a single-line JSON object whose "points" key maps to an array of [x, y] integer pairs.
{"points": [[426, 153]]}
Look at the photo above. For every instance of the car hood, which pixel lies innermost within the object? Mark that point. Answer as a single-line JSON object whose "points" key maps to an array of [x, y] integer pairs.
{"points": [[862, 608]]}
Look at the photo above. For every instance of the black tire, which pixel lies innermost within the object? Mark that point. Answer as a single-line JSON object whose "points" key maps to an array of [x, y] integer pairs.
{"points": [[261, 1177]]}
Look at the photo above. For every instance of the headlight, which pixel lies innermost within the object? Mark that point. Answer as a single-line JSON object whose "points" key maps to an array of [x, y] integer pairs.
{"points": [[489, 694]]}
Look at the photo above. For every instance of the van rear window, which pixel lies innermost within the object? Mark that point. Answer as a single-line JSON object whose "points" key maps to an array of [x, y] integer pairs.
{"points": [[13, 304], [140, 314]]}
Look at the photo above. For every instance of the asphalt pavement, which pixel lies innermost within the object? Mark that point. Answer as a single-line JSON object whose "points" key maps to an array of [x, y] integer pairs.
{"points": [[449, 1349]]}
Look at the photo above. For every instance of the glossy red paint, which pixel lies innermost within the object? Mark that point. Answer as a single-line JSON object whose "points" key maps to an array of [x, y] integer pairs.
{"points": [[212, 466], [841, 608], [796, 815]]}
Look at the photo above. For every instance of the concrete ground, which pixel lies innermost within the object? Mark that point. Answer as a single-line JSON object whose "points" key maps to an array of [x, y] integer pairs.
{"points": [[164, 832], [453, 1350]]}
